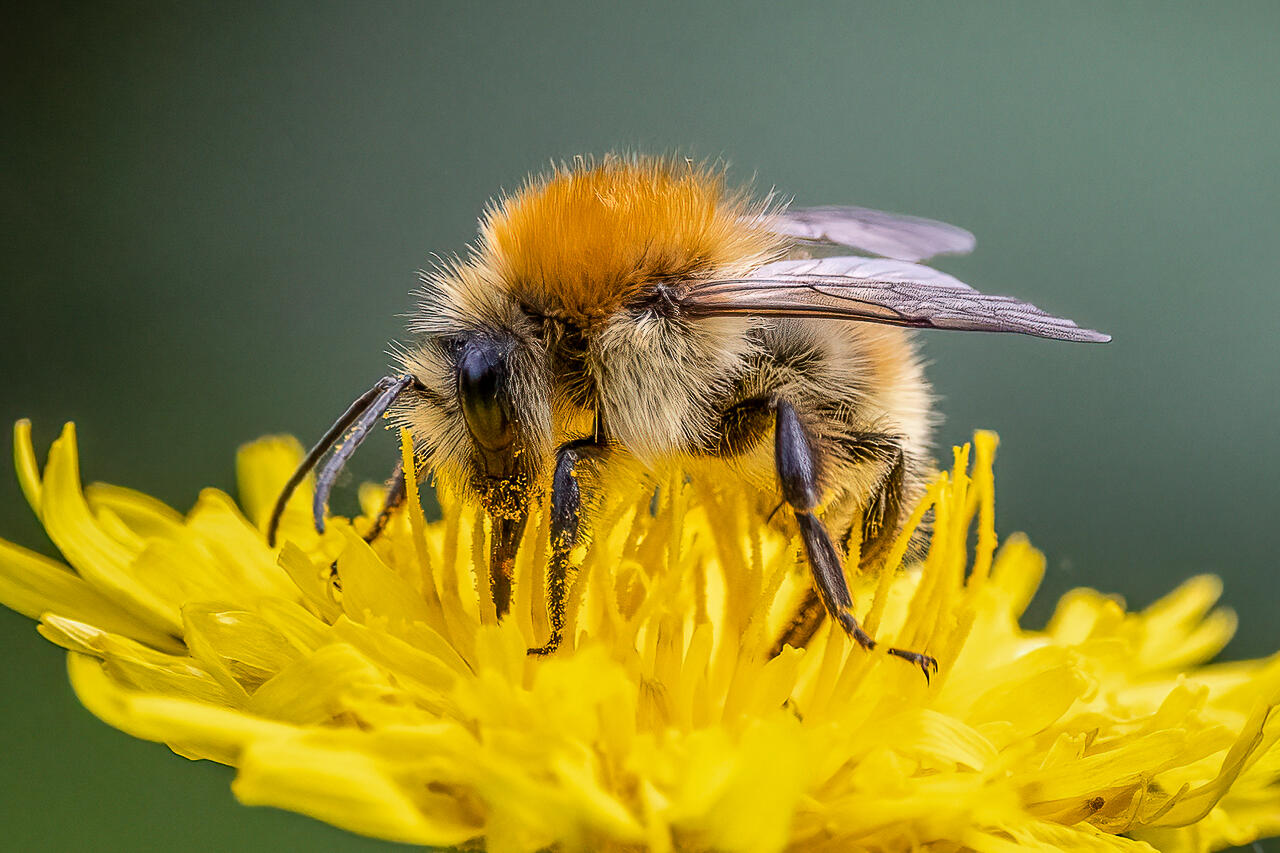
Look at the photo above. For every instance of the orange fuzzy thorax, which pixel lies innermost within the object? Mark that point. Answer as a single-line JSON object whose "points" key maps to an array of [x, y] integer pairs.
{"points": [[581, 241]]}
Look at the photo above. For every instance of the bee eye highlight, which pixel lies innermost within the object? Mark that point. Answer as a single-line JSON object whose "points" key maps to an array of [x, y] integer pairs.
{"points": [[483, 398]]}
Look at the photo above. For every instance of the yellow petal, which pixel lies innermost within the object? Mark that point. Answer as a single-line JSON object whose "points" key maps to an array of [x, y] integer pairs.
{"points": [[24, 461], [315, 582], [413, 664], [239, 647], [1029, 694], [745, 815], [371, 591], [336, 681], [216, 732], [34, 585], [142, 514], [235, 546], [262, 469], [1180, 630], [136, 665], [96, 556], [344, 787]]}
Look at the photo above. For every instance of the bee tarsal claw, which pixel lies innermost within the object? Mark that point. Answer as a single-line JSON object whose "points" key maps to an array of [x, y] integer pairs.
{"points": [[854, 630], [927, 664]]}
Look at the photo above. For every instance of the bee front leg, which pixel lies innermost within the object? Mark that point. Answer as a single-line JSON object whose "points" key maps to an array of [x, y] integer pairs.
{"points": [[797, 464], [502, 558], [566, 513]]}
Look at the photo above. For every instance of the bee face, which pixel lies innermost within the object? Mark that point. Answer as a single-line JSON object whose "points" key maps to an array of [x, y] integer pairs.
{"points": [[482, 418]]}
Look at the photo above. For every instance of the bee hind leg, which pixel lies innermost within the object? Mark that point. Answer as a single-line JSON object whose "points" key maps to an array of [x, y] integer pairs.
{"points": [[566, 513], [878, 525], [797, 465]]}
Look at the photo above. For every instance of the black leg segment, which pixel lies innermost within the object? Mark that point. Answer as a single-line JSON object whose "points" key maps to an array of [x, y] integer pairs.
{"points": [[328, 474], [803, 625], [795, 458], [798, 468], [566, 515], [797, 464]]}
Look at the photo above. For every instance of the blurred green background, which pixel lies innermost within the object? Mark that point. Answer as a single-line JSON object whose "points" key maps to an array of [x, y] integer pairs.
{"points": [[212, 217]]}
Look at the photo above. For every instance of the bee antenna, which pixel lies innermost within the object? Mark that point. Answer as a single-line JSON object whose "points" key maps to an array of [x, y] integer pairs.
{"points": [[353, 426]]}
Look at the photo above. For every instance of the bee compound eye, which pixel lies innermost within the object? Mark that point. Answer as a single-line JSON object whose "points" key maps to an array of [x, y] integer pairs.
{"points": [[481, 391]]}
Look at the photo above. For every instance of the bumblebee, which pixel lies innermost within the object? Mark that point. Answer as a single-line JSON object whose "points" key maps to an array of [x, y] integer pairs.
{"points": [[637, 313]]}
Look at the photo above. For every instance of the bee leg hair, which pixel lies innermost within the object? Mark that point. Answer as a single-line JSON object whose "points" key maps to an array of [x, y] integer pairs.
{"points": [[566, 513], [797, 466]]}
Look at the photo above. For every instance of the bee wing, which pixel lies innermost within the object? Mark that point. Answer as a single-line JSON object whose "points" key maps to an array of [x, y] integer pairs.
{"points": [[890, 235], [875, 290]]}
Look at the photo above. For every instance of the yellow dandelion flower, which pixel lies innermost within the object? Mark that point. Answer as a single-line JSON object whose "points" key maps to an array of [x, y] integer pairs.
{"points": [[394, 704]]}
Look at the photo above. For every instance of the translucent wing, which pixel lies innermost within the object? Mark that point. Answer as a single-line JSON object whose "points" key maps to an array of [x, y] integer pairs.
{"points": [[890, 235], [875, 290]]}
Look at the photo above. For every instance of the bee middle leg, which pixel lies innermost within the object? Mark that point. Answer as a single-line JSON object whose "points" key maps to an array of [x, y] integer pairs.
{"points": [[566, 513], [804, 624], [797, 464]]}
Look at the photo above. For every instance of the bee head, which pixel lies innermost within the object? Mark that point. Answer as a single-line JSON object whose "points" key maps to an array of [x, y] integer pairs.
{"points": [[481, 418]]}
